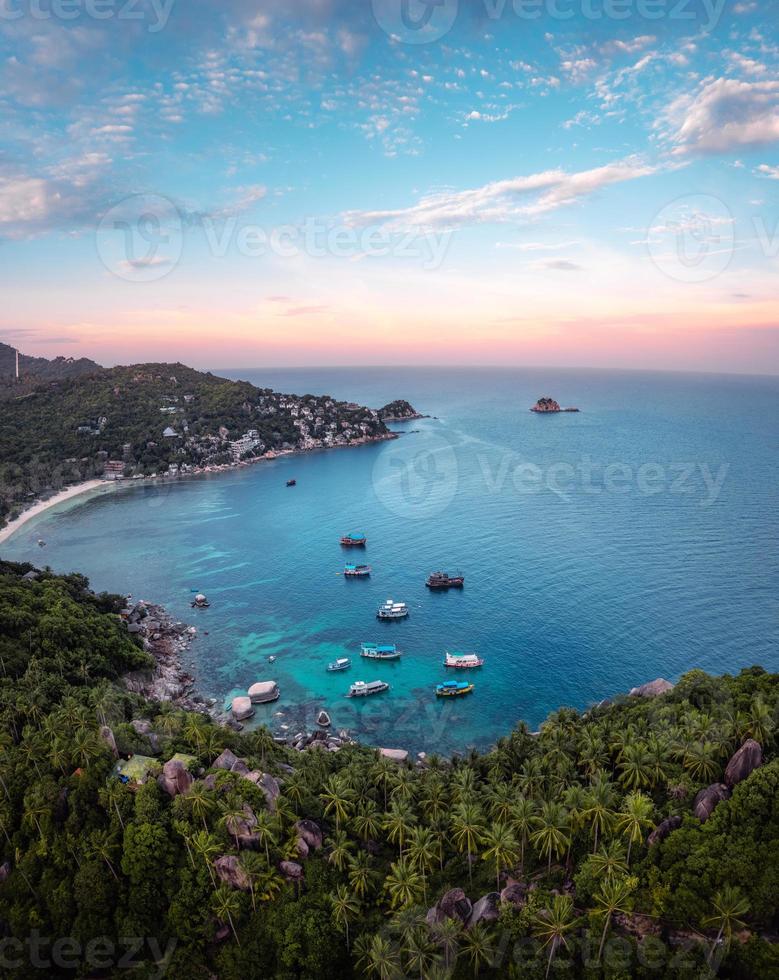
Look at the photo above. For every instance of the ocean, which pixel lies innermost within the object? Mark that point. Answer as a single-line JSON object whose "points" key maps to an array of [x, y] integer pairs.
{"points": [[635, 539]]}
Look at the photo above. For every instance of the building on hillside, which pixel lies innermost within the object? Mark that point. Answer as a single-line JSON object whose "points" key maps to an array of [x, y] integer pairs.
{"points": [[170, 433], [113, 469]]}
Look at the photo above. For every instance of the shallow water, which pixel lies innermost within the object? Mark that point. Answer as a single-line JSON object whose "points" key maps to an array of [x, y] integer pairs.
{"points": [[580, 581]]}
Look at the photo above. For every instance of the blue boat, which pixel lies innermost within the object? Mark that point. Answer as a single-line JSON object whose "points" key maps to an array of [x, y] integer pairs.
{"points": [[379, 651], [453, 689]]}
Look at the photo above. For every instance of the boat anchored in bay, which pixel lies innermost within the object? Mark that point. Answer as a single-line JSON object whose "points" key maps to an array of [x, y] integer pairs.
{"points": [[354, 540], [453, 689], [357, 571], [379, 651], [342, 663], [392, 610], [464, 660], [440, 580], [360, 689]]}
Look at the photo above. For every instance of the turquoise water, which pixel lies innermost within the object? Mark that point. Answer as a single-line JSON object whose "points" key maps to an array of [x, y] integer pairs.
{"points": [[580, 583]]}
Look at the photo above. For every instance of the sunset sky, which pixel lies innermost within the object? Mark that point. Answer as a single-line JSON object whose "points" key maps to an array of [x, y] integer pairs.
{"points": [[227, 183]]}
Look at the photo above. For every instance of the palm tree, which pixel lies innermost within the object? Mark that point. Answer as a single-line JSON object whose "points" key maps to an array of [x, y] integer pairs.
{"points": [[232, 813], [404, 884], [598, 810], [204, 844], [423, 851], [294, 789], [269, 884], [447, 934], [419, 953], [614, 896], [635, 766], [467, 830], [609, 861], [700, 760], [502, 798], [340, 849], [361, 874], [553, 923], [345, 908], [199, 801], [522, 818], [225, 904], [398, 822], [464, 784], [385, 771], [729, 905], [102, 846], [367, 821], [551, 837], [87, 745], [266, 829], [635, 818], [759, 721], [658, 748], [336, 798], [253, 867], [478, 946], [501, 847], [379, 957]]}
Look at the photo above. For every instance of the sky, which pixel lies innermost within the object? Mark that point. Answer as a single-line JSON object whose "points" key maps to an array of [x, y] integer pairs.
{"points": [[225, 182]]}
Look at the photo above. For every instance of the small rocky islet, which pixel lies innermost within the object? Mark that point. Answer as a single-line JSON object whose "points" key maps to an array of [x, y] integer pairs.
{"points": [[548, 406]]}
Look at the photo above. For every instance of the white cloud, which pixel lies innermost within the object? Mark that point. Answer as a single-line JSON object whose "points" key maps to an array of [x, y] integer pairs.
{"points": [[725, 114], [537, 246], [771, 172], [504, 200]]}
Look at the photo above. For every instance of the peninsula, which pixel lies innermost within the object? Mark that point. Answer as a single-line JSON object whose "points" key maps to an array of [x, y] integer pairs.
{"points": [[68, 423]]}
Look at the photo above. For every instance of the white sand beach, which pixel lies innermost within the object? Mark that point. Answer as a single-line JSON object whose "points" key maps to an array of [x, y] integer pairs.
{"points": [[43, 505]]}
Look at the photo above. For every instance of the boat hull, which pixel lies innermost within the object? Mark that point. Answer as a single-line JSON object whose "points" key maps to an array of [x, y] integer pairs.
{"points": [[455, 693], [381, 656]]}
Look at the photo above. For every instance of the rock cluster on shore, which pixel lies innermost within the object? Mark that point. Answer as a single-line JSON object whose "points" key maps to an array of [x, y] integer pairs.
{"points": [[166, 640]]}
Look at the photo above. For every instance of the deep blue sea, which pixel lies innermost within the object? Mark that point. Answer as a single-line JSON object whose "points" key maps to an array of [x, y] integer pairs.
{"points": [[637, 538]]}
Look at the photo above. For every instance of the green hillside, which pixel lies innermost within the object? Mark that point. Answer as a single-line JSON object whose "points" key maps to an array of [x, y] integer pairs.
{"points": [[228, 855]]}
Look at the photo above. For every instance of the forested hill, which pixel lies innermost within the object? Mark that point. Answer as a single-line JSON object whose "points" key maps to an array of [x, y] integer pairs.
{"points": [[638, 840], [33, 370], [154, 419]]}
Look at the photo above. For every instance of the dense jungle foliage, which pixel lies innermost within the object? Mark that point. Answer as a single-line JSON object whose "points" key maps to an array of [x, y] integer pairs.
{"points": [[217, 876]]}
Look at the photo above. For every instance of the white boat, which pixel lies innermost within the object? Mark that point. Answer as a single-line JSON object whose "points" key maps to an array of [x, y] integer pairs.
{"points": [[360, 689], [392, 610], [462, 660], [380, 651], [340, 664]]}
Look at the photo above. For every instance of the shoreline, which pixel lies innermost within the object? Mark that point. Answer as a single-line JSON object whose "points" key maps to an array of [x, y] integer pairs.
{"points": [[41, 506]]}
